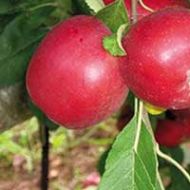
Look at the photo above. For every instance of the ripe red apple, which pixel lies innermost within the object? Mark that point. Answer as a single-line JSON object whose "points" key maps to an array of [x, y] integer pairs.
{"points": [[158, 66], [186, 122], [153, 4], [170, 133], [182, 116], [72, 79]]}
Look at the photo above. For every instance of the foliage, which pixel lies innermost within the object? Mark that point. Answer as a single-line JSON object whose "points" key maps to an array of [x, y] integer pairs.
{"points": [[16, 142], [131, 163]]}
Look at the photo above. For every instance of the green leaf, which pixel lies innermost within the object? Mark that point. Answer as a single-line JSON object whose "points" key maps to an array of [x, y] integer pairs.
{"points": [[58, 139], [18, 41], [113, 43], [7, 145], [114, 15], [102, 161], [4, 20], [13, 6], [179, 182], [176, 153], [95, 5], [22, 32], [177, 178], [159, 184], [4, 6], [12, 70], [82, 7], [128, 168], [7, 5]]}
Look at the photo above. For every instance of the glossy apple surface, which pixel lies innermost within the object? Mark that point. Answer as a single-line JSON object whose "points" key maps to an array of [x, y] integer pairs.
{"points": [[72, 79], [158, 66], [153, 4]]}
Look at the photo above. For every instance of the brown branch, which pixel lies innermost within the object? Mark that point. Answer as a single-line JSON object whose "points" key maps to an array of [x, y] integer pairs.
{"points": [[134, 11]]}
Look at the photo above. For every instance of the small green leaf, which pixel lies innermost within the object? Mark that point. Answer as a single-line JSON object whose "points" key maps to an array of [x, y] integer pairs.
{"points": [[131, 163], [58, 139], [95, 5], [114, 15], [113, 43]]}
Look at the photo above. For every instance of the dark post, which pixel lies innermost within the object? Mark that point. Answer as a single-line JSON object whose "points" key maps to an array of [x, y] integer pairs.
{"points": [[45, 157]]}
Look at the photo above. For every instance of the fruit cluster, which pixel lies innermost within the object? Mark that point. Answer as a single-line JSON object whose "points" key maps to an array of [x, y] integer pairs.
{"points": [[77, 83]]}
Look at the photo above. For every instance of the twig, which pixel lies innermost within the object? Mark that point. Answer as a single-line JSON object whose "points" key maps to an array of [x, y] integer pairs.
{"points": [[134, 10], [173, 162], [138, 126], [145, 6]]}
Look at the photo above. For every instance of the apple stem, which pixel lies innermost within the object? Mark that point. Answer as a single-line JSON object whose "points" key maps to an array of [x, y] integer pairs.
{"points": [[134, 10], [45, 157], [145, 6], [140, 112], [173, 162]]}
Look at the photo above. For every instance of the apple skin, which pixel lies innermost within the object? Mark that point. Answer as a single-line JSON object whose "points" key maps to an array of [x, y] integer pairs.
{"points": [[153, 4], [170, 133], [158, 65], [72, 79]]}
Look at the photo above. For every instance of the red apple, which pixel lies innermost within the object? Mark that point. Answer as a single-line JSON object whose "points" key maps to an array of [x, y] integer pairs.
{"points": [[153, 4], [182, 116], [72, 79], [158, 66], [170, 133], [186, 122]]}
